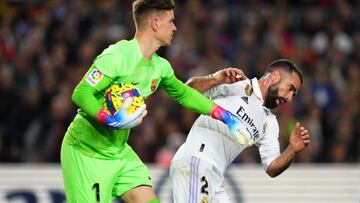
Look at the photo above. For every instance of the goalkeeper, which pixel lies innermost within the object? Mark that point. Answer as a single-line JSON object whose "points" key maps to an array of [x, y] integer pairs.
{"points": [[97, 163]]}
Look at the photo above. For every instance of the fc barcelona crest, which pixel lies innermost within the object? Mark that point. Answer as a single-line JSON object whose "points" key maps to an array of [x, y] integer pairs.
{"points": [[153, 84], [248, 90]]}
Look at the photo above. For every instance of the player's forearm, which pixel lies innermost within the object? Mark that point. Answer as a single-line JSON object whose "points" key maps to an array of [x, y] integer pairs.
{"points": [[281, 163], [84, 94], [193, 100], [202, 83], [84, 99], [187, 96]]}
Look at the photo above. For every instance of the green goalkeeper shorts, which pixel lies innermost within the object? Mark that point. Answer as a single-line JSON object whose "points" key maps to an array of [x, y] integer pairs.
{"points": [[89, 179]]}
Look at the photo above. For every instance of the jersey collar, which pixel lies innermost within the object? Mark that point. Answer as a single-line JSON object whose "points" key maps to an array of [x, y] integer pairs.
{"points": [[138, 52], [255, 85], [136, 46]]}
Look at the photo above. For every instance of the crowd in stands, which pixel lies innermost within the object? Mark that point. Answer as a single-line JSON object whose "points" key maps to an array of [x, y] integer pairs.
{"points": [[47, 46]]}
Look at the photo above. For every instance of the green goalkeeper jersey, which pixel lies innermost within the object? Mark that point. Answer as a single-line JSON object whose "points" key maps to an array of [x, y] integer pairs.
{"points": [[122, 62]]}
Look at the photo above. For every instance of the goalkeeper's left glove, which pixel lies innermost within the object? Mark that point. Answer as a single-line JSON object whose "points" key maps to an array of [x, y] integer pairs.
{"points": [[236, 126]]}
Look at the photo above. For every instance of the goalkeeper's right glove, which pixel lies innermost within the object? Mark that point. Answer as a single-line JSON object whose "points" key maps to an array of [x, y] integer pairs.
{"points": [[236, 126], [121, 119]]}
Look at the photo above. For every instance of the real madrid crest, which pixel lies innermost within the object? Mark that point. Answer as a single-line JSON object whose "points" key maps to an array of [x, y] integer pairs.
{"points": [[248, 90], [264, 127]]}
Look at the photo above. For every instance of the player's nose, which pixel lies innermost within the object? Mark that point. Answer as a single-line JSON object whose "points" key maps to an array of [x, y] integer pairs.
{"points": [[288, 97]]}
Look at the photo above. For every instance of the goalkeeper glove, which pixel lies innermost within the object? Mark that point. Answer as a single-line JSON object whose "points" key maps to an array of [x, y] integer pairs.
{"points": [[235, 125], [121, 119]]}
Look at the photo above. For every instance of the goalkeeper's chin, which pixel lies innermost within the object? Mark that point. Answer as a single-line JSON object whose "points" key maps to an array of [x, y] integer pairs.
{"points": [[166, 43]]}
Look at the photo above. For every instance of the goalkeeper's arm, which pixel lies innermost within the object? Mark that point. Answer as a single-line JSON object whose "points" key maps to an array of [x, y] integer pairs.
{"points": [[192, 99], [85, 97]]}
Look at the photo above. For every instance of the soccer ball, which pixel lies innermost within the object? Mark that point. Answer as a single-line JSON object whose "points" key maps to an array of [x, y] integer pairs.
{"points": [[116, 94]]}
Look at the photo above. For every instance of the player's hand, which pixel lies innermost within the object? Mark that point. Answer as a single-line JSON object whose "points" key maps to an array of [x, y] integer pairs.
{"points": [[299, 138], [236, 126], [135, 122], [229, 75], [121, 119]]}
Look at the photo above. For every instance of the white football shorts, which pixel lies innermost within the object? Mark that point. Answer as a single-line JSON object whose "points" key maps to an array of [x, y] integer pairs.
{"points": [[197, 181]]}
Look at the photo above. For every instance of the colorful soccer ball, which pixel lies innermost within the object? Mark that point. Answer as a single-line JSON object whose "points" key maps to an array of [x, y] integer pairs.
{"points": [[116, 94]]}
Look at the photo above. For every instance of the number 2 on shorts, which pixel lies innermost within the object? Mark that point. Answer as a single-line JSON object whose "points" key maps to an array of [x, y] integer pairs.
{"points": [[205, 186]]}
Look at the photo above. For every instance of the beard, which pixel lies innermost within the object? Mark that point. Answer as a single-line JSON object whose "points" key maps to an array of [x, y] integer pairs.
{"points": [[271, 96]]}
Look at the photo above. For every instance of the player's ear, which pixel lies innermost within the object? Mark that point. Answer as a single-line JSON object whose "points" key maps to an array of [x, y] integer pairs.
{"points": [[154, 23], [275, 76]]}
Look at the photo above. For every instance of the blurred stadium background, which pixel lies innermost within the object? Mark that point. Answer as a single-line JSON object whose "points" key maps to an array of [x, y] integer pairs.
{"points": [[46, 47]]}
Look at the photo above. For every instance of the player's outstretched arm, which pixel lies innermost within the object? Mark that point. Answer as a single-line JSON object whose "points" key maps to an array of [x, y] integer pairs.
{"points": [[224, 76], [299, 139], [193, 100]]}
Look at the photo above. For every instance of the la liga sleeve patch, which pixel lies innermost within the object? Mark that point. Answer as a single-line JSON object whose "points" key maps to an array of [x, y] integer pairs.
{"points": [[94, 77]]}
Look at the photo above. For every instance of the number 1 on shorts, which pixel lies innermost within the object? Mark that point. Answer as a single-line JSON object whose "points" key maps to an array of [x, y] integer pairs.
{"points": [[96, 186]]}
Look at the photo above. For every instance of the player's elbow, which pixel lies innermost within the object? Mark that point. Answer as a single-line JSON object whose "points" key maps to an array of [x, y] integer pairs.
{"points": [[271, 173], [79, 94], [75, 97]]}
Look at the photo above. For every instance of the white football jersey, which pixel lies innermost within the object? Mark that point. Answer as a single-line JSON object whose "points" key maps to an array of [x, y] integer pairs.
{"points": [[210, 139]]}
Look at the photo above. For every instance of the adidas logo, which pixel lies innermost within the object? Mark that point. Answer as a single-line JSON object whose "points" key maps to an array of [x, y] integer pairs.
{"points": [[245, 99], [266, 111]]}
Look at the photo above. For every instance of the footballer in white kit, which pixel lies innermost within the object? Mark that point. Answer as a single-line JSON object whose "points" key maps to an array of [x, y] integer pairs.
{"points": [[198, 166]]}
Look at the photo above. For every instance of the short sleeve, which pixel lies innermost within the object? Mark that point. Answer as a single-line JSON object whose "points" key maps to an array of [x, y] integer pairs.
{"points": [[269, 147]]}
